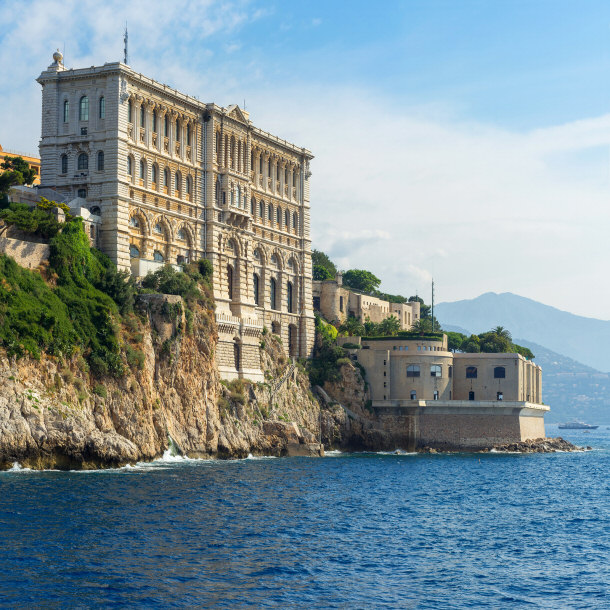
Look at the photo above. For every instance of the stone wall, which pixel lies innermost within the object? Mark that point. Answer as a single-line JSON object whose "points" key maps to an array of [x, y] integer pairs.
{"points": [[27, 254]]}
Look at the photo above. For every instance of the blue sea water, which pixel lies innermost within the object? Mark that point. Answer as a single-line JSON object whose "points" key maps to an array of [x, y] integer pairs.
{"points": [[347, 531]]}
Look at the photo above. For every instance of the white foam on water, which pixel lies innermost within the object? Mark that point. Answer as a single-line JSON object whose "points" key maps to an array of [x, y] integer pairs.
{"points": [[17, 467], [260, 457], [333, 452]]}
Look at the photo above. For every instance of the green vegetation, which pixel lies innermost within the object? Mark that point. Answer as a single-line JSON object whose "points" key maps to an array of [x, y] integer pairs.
{"points": [[15, 172], [361, 280], [323, 267], [497, 340], [327, 359]]}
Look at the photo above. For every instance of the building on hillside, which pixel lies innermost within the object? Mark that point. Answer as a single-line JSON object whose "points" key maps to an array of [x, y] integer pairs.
{"points": [[33, 162], [174, 180], [442, 398], [336, 303]]}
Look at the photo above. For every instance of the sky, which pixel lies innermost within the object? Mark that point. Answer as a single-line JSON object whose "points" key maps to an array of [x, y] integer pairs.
{"points": [[465, 141]]}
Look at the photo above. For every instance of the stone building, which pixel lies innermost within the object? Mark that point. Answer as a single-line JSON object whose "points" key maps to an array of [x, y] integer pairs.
{"points": [[174, 180], [336, 302], [441, 398]]}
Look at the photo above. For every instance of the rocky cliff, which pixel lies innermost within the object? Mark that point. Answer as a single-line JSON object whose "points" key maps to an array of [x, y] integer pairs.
{"points": [[54, 414]]}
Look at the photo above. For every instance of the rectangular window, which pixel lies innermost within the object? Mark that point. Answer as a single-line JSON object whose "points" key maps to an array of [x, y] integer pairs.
{"points": [[340, 303]]}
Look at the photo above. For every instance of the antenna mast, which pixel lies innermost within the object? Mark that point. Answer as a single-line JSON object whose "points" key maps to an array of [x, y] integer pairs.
{"points": [[125, 39], [432, 304]]}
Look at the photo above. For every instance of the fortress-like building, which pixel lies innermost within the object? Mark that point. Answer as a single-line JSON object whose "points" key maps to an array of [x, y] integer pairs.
{"points": [[174, 180]]}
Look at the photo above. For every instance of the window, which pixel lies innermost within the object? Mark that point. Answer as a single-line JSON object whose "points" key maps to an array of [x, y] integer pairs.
{"points": [[83, 109], [100, 161], [83, 161], [166, 177], [260, 169], [178, 130], [277, 172], [270, 212], [256, 292], [142, 169], [261, 210], [134, 252], [95, 210], [278, 216], [413, 395], [188, 185], [66, 111], [252, 206], [64, 164], [158, 228], [471, 372], [230, 281], [435, 370], [177, 185], [272, 292], [82, 193], [269, 168], [287, 219], [166, 127], [316, 303], [134, 222], [340, 303], [450, 372], [289, 296], [274, 261], [157, 256], [435, 394], [129, 166], [102, 108], [500, 396], [154, 174], [142, 116], [286, 176], [130, 112], [188, 135], [295, 221], [154, 117], [470, 395], [181, 234], [499, 372], [413, 370]]}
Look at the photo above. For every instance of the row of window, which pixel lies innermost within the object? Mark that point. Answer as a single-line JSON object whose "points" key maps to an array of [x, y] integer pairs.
{"points": [[155, 123], [155, 176], [420, 348], [256, 282], [159, 229], [82, 162], [83, 109], [436, 370], [499, 395], [158, 257]]}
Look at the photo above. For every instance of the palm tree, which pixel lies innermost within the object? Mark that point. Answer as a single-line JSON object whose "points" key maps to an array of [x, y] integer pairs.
{"points": [[502, 332]]}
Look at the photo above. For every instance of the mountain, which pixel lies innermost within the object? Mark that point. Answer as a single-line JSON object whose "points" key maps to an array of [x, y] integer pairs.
{"points": [[582, 339]]}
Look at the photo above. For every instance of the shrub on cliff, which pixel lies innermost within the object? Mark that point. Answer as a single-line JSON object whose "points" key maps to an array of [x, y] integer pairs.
{"points": [[325, 366]]}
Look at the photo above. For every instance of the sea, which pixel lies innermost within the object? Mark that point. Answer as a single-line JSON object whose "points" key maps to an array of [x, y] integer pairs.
{"points": [[359, 530]]}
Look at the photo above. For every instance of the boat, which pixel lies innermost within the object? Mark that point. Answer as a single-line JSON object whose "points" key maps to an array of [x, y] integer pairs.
{"points": [[577, 425]]}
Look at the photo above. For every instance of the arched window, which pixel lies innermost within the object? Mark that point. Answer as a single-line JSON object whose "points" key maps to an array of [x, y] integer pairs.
{"points": [[269, 168], [102, 112], [130, 111], [188, 134], [261, 210], [154, 173], [295, 221], [129, 166], [287, 219], [95, 210], [217, 191], [142, 169], [181, 234], [232, 152], [134, 222], [157, 256], [278, 215], [154, 117], [134, 252], [142, 116], [274, 261], [100, 161], [272, 293], [66, 111], [435, 370], [218, 147], [245, 158], [166, 126], [238, 196], [471, 372], [158, 228], [230, 281], [277, 171], [83, 161], [260, 168], [286, 176], [178, 184], [64, 164], [499, 372], [256, 292], [178, 130], [289, 296], [83, 109], [257, 255], [413, 370], [294, 177], [270, 213], [413, 395], [166, 177], [252, 206], [188, 185]]}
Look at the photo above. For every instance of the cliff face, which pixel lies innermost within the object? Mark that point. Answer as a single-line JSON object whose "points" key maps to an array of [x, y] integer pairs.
{"points": [[54, 415]]}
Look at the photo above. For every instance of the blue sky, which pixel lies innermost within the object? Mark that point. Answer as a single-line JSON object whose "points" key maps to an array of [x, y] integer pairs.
{"points": [[462, 140]]}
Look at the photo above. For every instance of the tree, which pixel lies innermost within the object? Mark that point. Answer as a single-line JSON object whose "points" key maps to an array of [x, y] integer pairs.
{"points": [[362, 280], [352, 326], [472, 345], [455, 340], [501, 332], [16, 172], [389, 327], [321, 273], [422, 326], [318, 258]]}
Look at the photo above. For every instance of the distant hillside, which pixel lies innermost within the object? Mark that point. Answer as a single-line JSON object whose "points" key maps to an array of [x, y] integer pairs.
{"points": [[583, 339]]}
